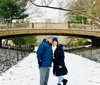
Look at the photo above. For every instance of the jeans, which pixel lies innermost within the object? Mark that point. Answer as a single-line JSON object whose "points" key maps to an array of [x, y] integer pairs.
{"points": [[60, 78]]}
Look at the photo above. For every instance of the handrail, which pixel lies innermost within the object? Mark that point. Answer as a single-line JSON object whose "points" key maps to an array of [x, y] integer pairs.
{"points": [[71, 26]]}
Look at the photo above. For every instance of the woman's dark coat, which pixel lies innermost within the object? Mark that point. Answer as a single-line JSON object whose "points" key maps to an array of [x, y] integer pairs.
{"points": [[59, 67]]}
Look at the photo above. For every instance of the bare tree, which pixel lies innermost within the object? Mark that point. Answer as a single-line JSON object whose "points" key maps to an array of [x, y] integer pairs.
{"points": [[34, 12], [45, 5], [88, 8], [83, 7]]}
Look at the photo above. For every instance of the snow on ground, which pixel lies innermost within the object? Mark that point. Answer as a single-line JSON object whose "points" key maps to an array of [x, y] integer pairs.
{"points": [[81, 72]]}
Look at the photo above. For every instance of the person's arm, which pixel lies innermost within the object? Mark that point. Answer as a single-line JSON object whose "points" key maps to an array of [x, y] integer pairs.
{"points": [[61, 60], [40, 53], [62, 52]]}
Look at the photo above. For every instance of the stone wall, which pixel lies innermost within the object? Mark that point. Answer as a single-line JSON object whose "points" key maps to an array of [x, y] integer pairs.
{"points": [[9, 58], [62, 39], [93, 54]]}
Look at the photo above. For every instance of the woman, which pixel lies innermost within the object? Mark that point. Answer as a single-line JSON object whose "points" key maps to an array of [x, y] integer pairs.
{"points": [[59, 68]]}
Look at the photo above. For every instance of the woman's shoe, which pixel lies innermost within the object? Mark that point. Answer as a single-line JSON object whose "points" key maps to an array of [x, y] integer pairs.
{"points": [[64, 81], [58, 84]]}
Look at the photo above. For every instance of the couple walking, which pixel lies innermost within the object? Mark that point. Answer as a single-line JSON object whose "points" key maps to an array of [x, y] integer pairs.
{"points": [[51, 51]]}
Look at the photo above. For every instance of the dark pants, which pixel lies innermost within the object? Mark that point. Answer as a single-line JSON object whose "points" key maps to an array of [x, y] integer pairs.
{"points": [[44, 75]]}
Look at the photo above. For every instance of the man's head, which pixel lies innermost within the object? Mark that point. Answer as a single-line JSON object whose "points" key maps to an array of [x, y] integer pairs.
{"points": [[44, 40], [50, 40]]}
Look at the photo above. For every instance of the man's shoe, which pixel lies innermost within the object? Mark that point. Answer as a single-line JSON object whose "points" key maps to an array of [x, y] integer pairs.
{"points": [[45, 83], [64, 81]]}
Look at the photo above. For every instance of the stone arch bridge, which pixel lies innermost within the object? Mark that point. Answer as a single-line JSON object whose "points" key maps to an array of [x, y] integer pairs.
{"points": [[63, 29]]}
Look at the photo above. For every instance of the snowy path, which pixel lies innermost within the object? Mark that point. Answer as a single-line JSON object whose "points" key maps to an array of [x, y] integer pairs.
{"points": [[81, 72]]}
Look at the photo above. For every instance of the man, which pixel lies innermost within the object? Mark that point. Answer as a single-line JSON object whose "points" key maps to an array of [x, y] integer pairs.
{"points": [[44, 56]]}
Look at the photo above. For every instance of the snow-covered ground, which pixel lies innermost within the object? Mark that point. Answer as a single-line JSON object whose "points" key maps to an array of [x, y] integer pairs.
{"points": [[81, 72]]}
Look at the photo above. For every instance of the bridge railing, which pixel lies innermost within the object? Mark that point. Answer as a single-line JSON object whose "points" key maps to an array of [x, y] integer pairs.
{"points": [[48, 26], [13, 25], [34, 25], [82, 26]]}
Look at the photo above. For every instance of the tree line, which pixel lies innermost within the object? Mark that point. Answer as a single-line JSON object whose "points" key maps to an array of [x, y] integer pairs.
{"points": [[15, 10]]}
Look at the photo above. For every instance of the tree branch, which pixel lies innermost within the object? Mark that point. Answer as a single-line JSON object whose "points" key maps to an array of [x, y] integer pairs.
{"points": [[50, 7], [74, 11], [48, 3], [95, 20]]}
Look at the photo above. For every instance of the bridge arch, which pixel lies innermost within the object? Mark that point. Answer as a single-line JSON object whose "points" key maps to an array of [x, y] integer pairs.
{"points": [[93, 35], [62, 32]]}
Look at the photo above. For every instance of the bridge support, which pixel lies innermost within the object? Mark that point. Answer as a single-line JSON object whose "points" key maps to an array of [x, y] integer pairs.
{"points": [[96, 41]]}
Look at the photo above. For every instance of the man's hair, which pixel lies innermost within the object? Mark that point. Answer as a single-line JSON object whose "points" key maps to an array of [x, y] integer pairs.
{"points": [[50, 37]]}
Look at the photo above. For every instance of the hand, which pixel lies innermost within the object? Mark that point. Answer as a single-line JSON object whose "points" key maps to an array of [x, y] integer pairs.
{"points": [[60, 66], [53, 60]]}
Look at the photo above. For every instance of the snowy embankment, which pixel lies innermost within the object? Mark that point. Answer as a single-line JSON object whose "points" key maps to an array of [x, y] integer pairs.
{"points": [[81, 72]]}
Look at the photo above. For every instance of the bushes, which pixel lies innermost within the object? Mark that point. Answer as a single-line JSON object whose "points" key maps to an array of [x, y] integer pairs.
{"points": [[80, 42], [76, 42]]}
